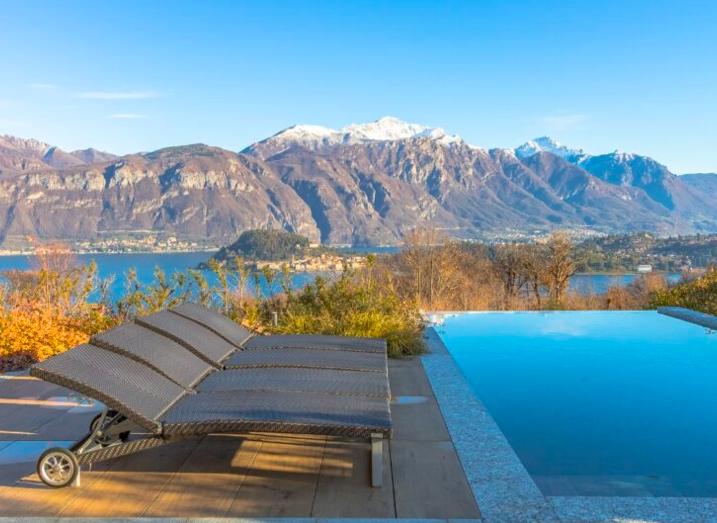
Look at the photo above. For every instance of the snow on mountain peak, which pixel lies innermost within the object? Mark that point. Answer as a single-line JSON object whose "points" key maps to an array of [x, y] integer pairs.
{"points": [[546, 144], [387, 128], [622, 156]]}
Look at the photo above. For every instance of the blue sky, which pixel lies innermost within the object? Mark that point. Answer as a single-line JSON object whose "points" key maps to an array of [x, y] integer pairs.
{"points": [[132, 76]]}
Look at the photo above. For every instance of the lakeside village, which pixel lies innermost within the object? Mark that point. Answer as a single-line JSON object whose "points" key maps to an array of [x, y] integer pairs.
{"points": [[147, 243], [321, 263], [277, 250]]}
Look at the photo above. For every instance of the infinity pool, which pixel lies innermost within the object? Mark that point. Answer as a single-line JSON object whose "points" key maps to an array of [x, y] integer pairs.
{"points": [[597, 403]]}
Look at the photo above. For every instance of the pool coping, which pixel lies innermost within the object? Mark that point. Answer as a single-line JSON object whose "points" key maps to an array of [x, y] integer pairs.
{"points": [[502, 487]]}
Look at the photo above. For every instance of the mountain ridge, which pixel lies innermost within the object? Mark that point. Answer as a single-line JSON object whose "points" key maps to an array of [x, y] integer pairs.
{"points": [[362, 184]]}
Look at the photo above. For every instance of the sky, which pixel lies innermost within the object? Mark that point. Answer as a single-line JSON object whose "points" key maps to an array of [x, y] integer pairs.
{"points": [[137, 76]]}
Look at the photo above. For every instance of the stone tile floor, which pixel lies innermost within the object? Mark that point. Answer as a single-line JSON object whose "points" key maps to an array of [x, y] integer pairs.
{"points": [[257, 476]]}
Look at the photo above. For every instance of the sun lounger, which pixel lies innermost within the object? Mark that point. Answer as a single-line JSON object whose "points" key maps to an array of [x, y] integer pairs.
{"points": [[239, 336], [214, 348], [145, 408], [204, 343], [187, 370]]}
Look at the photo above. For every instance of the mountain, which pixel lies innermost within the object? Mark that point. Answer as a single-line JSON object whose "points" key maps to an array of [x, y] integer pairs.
{"points": [[194, 191], [19, 154], [90, 156], [362, 184], [317, 138], [56, 157], [548, 145], [703, 182]]}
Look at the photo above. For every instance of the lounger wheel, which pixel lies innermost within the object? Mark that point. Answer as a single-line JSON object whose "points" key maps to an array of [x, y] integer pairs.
{"points": [[106, 440], [58, 467]]}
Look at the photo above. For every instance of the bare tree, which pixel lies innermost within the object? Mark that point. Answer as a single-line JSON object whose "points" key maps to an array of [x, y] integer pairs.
{"points": [[559, 267], [534, 263], [509, 268]]}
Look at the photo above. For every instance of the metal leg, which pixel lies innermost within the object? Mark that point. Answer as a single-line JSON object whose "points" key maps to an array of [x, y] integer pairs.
{"points": [[76, 481], [376, 460]]}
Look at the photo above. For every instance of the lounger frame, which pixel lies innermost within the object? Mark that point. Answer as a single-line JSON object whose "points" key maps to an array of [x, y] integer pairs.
{"points": [[94, 446]]}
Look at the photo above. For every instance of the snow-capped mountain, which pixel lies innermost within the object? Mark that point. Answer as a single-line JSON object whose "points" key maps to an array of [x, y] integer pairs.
{"points": [[315, 137], [548, 145], [362, 184]]}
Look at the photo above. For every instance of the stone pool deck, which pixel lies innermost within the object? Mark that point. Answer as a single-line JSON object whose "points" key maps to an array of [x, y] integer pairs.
{"points": [[257, 476]]}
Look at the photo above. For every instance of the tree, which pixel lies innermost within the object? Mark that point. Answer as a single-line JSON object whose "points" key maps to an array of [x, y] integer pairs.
{"points": [[428, 269], [534, 262], [509, 268], [559, 267]]}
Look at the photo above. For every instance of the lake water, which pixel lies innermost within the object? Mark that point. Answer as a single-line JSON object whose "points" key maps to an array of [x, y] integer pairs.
{"points": [[115, 265]]}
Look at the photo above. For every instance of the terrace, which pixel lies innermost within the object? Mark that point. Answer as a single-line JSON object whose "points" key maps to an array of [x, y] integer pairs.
{"points": [[259, 476], [448, 458]]}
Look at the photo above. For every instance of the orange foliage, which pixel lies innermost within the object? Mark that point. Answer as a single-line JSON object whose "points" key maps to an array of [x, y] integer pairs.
{"points": [[46, 310]]}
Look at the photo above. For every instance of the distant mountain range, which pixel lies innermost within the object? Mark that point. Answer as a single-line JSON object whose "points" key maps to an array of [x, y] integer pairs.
{"points": [[363, 184]]}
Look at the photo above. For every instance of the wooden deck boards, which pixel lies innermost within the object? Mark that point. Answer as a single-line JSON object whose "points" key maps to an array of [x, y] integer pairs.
{"points": [[232, 476]]}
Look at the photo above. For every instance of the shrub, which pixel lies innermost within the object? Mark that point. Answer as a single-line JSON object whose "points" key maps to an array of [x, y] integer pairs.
{"points": [[47, 310], [699, 295], [60, 304], [353, 305]]}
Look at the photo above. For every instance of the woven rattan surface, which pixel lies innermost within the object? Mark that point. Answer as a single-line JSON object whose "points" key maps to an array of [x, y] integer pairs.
{"points": [[309, 358], [129, 387], [284, 412], [201, 341], [317, 341], [225, 327], [155, 350], [299, 380], [115, 451]]}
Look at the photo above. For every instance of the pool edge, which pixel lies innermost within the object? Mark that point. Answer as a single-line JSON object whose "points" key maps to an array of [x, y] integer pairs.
{"points": [[698, 318], [503, 489]]}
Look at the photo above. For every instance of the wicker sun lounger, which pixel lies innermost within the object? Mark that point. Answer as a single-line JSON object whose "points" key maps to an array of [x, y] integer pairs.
{"points": [[184, 368], [214, 348], [239, 336], [145, 409]]}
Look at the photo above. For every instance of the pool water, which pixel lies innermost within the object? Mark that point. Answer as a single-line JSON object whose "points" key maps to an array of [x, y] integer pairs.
{"points": [[597, 403]]}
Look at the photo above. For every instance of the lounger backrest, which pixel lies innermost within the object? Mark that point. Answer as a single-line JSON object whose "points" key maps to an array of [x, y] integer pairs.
{"points": [[198, 339], [160, 353], [317, 341], [125, 385], [225, 327]]}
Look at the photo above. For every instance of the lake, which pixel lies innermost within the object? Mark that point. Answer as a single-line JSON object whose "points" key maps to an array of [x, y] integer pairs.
{"points": [[115, 266]]}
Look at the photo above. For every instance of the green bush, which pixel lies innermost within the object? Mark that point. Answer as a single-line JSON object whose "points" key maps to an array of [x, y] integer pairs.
{"points": [[353, 305], [698, 295]]}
